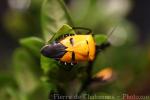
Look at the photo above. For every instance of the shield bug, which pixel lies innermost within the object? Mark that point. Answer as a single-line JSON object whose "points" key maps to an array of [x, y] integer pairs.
{"points": [[73, 48]]}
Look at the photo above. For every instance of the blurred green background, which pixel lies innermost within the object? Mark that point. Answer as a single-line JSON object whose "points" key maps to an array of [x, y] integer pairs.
{"points": [[129, 56]]}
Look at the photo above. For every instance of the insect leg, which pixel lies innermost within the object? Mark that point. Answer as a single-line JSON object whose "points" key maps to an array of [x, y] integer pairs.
{"points": [[102, 47]]}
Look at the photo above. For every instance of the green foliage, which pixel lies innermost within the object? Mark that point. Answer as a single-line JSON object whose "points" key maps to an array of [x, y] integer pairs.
{"points": [[54, 15], [23, 62], [55, 73], [55, 18], [33, 44], [99, 39], [32, 76], [63, 30], [48, 64]]}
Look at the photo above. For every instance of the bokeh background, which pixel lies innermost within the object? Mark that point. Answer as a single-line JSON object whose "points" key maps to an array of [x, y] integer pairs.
{"points": [[129, 55]]}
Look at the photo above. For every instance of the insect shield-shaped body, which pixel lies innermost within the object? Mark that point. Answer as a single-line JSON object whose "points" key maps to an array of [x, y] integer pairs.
{"points": [[72, 48]]}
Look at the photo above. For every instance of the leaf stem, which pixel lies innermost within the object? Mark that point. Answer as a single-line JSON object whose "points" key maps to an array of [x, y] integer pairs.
{"points": [[70, 22]]}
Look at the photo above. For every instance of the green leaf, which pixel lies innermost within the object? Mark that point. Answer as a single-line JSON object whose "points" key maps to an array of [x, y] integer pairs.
{"points": [[23, 63], [63, 30], [48, 64], [33, 44], [54, 15], [7, 80], [100, 39], [9, 93], [55, 72]]}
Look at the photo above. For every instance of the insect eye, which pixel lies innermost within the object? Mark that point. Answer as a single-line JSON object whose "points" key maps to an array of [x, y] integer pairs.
{"points": [[71, 41]]}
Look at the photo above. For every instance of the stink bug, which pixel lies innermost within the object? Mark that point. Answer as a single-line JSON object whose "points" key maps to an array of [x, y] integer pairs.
{"points": [[73, 48]]}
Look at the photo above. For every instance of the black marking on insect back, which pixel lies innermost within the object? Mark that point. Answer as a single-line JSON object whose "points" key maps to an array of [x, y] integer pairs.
{"points": [[63, 36], [73, 56], [88, 47], [56, 50], [87, 42], [70, 64], [72, 34], [71, 41]]}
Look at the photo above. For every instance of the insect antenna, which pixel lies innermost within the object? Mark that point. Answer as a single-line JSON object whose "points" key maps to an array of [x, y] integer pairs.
{"points": [[111, 32]]}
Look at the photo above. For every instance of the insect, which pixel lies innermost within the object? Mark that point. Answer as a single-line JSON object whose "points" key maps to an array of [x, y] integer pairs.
{"points": [[73, 48]]}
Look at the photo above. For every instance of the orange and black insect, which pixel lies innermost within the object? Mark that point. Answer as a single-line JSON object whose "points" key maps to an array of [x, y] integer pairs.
{"points": [[73, 48]]}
